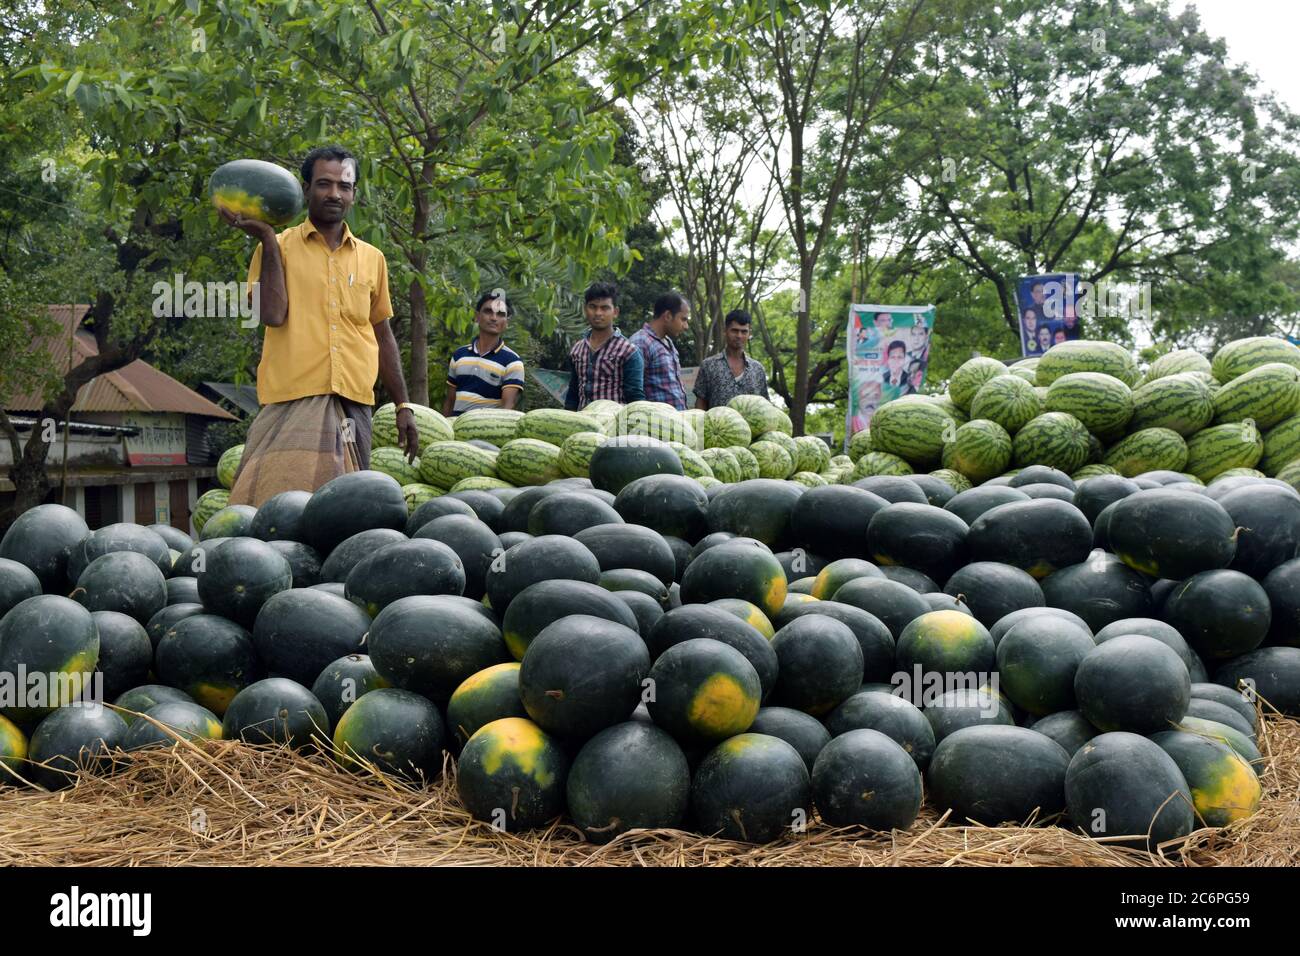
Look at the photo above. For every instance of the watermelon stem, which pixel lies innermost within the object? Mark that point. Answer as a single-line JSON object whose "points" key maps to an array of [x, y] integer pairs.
{"points": [[612, 825], [740, 823], [557, 694]]}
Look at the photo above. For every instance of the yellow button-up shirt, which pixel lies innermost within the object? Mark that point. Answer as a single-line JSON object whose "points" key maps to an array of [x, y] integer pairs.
{"points": [[327, 343]]}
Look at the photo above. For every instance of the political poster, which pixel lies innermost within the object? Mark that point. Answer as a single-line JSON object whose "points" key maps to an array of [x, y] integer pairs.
{"points": [[888, 353], [1047, 306]]}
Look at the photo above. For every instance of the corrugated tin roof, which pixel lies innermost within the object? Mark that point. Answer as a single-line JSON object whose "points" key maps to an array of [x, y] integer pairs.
{"points": [[241, 396], [137, 387]]}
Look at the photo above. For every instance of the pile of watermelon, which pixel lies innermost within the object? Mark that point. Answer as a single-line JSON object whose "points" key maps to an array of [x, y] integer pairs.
{"points": [[616, 617]]}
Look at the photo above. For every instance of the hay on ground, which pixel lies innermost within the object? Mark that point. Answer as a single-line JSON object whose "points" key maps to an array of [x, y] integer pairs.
{"points": [[227, 803]]}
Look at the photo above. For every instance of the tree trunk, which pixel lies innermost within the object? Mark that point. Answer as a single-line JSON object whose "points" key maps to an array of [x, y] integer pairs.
{"points": [[803, 343], [418, 384]]}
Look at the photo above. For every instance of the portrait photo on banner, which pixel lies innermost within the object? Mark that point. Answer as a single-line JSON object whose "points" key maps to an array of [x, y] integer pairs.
{"points": [[889, 351], [1046, 305]]}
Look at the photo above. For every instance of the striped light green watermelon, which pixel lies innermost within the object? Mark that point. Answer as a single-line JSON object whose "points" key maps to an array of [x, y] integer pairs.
{"points": [[842, 461], [809, 479], [528, 461], [914, 431], [724, 427], [228, 464], [429, 423], [392, 462], [814, 454], [761, 415], [1087, 355], [1028, 370], [602, 407], [1093, 471], [417, 493], [1102, 402], [693, 466], [1281, 445], [576, 452], [208, 504], [1180, 401], [944, 401], [773, 460], [654, 420], [970, 376], [1266, 395], [444, 463], [1009, 400], [1176, 362], [695, 417], [495, 425], [1239, 473], [1096, 450], [1151, 449], [1055, 439], [723, 464], [859, 444], [955, 479], [553, 425], [879, 463], [1213, 451], [1290, 474], [980, 450], [707, 481], [479, 483], [746, 461], [1240, 356]]}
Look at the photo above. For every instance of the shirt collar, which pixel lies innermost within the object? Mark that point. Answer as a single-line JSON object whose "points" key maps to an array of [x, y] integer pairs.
{"points": [[664, 339], [309, 227], [473, 347], [617, 333]]}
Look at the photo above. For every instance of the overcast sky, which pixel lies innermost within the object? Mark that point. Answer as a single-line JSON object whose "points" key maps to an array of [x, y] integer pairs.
{"points": [[1260, 35]]}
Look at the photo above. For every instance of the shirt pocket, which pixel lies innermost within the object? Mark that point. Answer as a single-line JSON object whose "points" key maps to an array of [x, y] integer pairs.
{"points": [[356, 301]]}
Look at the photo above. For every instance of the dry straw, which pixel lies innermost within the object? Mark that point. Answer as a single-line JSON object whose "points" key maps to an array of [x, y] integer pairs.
{"points": [[227, 803]]}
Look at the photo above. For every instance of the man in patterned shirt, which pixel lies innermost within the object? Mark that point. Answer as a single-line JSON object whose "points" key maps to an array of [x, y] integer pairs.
{"points": [[732, 372], [606, 365], [485, 373], [663, 370]]}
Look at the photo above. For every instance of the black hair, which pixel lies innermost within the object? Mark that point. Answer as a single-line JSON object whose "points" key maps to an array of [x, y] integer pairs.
{"points": [[738, 316], [897, 344], [328, 152], [492, 297], [601, 290], [670, 302]]}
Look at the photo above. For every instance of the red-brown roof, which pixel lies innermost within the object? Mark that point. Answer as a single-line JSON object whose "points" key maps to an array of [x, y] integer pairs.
{"points": [[137, 387]]}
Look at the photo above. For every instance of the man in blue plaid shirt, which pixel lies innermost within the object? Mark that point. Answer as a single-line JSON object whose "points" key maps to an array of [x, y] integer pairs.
{"points": [[663, 370]]}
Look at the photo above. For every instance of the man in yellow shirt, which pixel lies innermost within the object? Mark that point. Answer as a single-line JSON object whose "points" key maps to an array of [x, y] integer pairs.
{"points": [[323, 298]]}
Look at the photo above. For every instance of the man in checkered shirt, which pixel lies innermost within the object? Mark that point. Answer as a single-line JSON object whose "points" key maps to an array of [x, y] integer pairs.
{"points": [[663, 370]]}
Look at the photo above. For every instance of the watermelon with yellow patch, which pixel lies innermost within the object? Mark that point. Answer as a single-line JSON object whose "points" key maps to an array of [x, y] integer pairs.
{"points": [[748, 612], [946, 642], [51, 636], [210, 658], [395, 731], [484, 696], [736, 571], [702, 691], [1224, 787], [255, 189], [13, 751], [753, 787], [512, 774]]}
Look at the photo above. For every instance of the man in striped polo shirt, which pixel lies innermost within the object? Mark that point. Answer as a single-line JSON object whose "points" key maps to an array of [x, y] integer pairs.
{"points": [[484, 373], [663, 369], [605, 363]]}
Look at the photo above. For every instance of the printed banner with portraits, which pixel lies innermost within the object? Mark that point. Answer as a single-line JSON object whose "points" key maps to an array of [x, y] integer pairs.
{"points": [[888, 351], [1048, 308]]}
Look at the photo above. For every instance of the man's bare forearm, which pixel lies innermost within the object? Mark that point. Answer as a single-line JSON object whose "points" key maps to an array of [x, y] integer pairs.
{"points": [[390, 363], [273, 302]]}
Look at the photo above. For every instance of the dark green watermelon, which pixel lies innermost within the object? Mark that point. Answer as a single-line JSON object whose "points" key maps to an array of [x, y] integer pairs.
{"points": [[696, 621], [176, 539], [819, 664], [428, 644], [123, 581], [193, 562], [545, 602], [893, 603], [165, 619], [139, 700], [17, 583], [42, 539], [393, 730], [418, 566], [125, 653], [1101, 590], [760, 508], [1237, 700], [896, 718], [1095, 494], [512, 775], [1037, 660], [1272, 673], [923, 537], [182, 719], [992, 590], [800, 563], [300, 632], [634, 579], [473, 542], [644, 608], [964, 707], [73, 739], [832, 520], [631, 546], [1282, 585], [1005, 624], [210, 658], [702, 691], [440, 507], [629, 776], [183, 590], [1220, 713], [304, 562], [118, 537], [277, 711], [839, 573], [486, 506], [547, 558], [349, 504], [570, 512], [937, 491], [280, 517], [1268, 519], [340, 562], [973, 502], [1069, 728], [582, 674], [863, 778], [1132, 683], [681, 549], [670, 504], [736, 570], [1040, 536], [241, 576], [1047, 490], [874, 639], [515, 515], [1121, 784], [944, 642], [342, 683], [47, 634], [998, 775], [1221, 614], [804, 732], [1162, 632], [752, 788], [939, 601], [710, 540], [232, 521], [624, 458], [893, 488], [1167, 533], [1038, 474], [918, 581]]}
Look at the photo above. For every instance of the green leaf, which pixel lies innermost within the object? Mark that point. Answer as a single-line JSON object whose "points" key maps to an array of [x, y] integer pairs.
{"points": [[404, 46], [73, 83]]}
